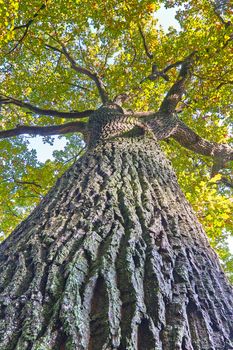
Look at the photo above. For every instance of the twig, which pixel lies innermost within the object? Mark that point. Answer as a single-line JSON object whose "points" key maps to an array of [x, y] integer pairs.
{"points": [[76, 155]]}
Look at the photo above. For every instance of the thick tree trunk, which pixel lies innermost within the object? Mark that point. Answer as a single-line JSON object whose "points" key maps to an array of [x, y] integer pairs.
{"points": [[114, 258]]}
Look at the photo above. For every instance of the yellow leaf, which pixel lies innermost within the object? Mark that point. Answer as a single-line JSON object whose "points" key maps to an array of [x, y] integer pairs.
{"points": [[225, 216], [215, 178]]}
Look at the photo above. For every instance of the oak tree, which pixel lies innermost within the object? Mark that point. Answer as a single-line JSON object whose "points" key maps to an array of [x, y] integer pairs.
{"points": [[113, 257]]}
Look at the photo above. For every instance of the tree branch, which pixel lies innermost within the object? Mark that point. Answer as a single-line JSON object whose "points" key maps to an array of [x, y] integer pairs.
{"points": [[76, 86], [56, 49], [221, 152], [31, 19], [175, 93], [44, 130], [155, 74], [94, 76], [79, 69], [226, 182], [173, 65], [26, 26], [41, 111], [215, 9], [149, 55], [148, 114], [27, 183]]}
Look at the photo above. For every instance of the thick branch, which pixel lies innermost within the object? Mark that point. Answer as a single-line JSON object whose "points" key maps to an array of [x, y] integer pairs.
{"points": [[93, 76], [175, 93], [44, 130], [41, 111], [79, 69], [162, 125], [169, 125], [121, 98], [148, 114], [189, 139]]}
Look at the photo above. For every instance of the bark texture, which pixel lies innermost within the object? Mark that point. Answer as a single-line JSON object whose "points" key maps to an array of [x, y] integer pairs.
{"points": [[114, 258]]}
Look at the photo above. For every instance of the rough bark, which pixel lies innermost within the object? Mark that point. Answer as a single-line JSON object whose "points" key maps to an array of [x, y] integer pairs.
{"points": [[114, 258]]}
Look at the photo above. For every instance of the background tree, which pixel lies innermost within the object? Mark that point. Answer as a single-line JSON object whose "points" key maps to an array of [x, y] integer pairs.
{"points": [[114, 74]]}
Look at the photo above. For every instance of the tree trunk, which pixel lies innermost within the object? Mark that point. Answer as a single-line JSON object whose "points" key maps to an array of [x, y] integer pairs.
{"points": [[114, 258]]}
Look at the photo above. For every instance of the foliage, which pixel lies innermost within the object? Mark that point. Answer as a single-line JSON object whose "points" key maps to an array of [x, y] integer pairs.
{"points": [[104, 36]]}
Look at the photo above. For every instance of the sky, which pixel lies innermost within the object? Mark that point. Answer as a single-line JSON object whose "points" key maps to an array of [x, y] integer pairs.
{"points": [[166, 18]]}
